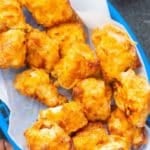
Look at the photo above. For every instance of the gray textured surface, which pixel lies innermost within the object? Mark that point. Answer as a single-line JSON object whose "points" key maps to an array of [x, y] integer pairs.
{"points": [[137, 14]]}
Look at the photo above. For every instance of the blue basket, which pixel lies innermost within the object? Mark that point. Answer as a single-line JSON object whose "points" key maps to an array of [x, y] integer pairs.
{"points": [[4, 111]]}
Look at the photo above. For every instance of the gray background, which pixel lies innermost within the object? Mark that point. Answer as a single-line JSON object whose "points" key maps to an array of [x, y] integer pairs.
{"points": [[137, 14]]}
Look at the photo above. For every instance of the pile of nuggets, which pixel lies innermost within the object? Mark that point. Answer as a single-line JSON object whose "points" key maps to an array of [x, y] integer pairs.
{"points": [[110, 102]]}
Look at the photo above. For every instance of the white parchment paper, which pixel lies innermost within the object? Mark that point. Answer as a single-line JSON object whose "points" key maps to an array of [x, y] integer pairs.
{"points": [[24, 111]]}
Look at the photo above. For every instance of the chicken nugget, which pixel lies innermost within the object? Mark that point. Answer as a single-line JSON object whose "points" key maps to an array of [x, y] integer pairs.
{"points": [[114, 142], [67, 34], [95, 97], [11, 15], [139, 137], [96, 137], [47, 135], [12, 49], [69, 116], [115, 50], [37, 84], [118, 124], [90, 136], [49, 12], [79, 63], [42, 52], [132, 96]]}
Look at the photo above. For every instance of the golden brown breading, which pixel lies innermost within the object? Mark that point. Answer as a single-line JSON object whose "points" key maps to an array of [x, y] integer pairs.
{"points": [[80, 62], [118, 124], [49, 12], [115, 50], [47, 135], [11, 15], [90, 136], [114, 142], [139, 138], [42, 52], [95, 137], [132, 96], [95, 97], [69, 116], [36, 83], [12, 49], [67, 34]]}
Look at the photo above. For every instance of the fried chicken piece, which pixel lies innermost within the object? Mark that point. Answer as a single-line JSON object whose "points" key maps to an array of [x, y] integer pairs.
{"points": [[115, 50], [37, 84], [79, 63], [132, 96], [139, 138], [95, 97], [47, 135], [69, 116], [118, 124], [11, 15], [42, 52], [49, 12], [95, 137], [12, 49], [90, 136], [114, 142], [67, 34]]}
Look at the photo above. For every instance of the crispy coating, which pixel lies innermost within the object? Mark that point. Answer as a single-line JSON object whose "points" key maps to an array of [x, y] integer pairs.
{"points": [[67, 34], [37, 84], [118, 124], [47, 135], [90, 136], [12, 49], [115, 50], [95, 97], [49, 12], [139, 137], [42, 52], [69, 116], [132, 96], [95, 137], [79, 63], [114, 142], [11, 15]]}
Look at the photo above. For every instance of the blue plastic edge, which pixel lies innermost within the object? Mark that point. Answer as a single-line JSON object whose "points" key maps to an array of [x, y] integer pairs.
{"points": [[116, 16], [4, 129], [4, 121]]}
